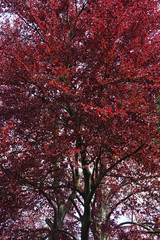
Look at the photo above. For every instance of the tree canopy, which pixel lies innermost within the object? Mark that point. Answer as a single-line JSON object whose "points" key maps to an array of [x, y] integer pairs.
{"points": [[79, 136]]}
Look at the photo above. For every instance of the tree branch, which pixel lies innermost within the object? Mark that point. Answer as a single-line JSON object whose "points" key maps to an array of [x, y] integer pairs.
{"points": [[83, 7], [140, 225], [117, 204], [95, 186], [80, 200], [41, 191], [63, 231], [74, 204]]}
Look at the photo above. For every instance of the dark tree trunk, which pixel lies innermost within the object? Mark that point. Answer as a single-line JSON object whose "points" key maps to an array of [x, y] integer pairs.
{"points": [[86, 218], [86, 221]]}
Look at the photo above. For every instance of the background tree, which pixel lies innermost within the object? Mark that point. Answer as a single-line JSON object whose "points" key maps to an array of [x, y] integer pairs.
{"points": [[79, 85]]}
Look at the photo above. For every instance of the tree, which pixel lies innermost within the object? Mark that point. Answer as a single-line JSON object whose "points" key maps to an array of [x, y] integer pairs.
{"points": [[78, 114]]}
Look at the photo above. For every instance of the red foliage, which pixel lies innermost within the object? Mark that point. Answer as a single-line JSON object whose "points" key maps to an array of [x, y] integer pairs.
{"points": [[78, 116]]}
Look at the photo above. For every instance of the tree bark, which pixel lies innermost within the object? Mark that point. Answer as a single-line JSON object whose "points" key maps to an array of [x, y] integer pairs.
{"points": [[86, 218], [86, 221]]}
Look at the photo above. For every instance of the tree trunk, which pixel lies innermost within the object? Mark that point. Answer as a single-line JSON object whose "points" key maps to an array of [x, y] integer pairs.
{"points": [[86, 218], [86, 221]]}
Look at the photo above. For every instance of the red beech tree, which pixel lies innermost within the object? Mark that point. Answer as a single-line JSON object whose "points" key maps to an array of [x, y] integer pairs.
{"points": [[79, 139]]}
